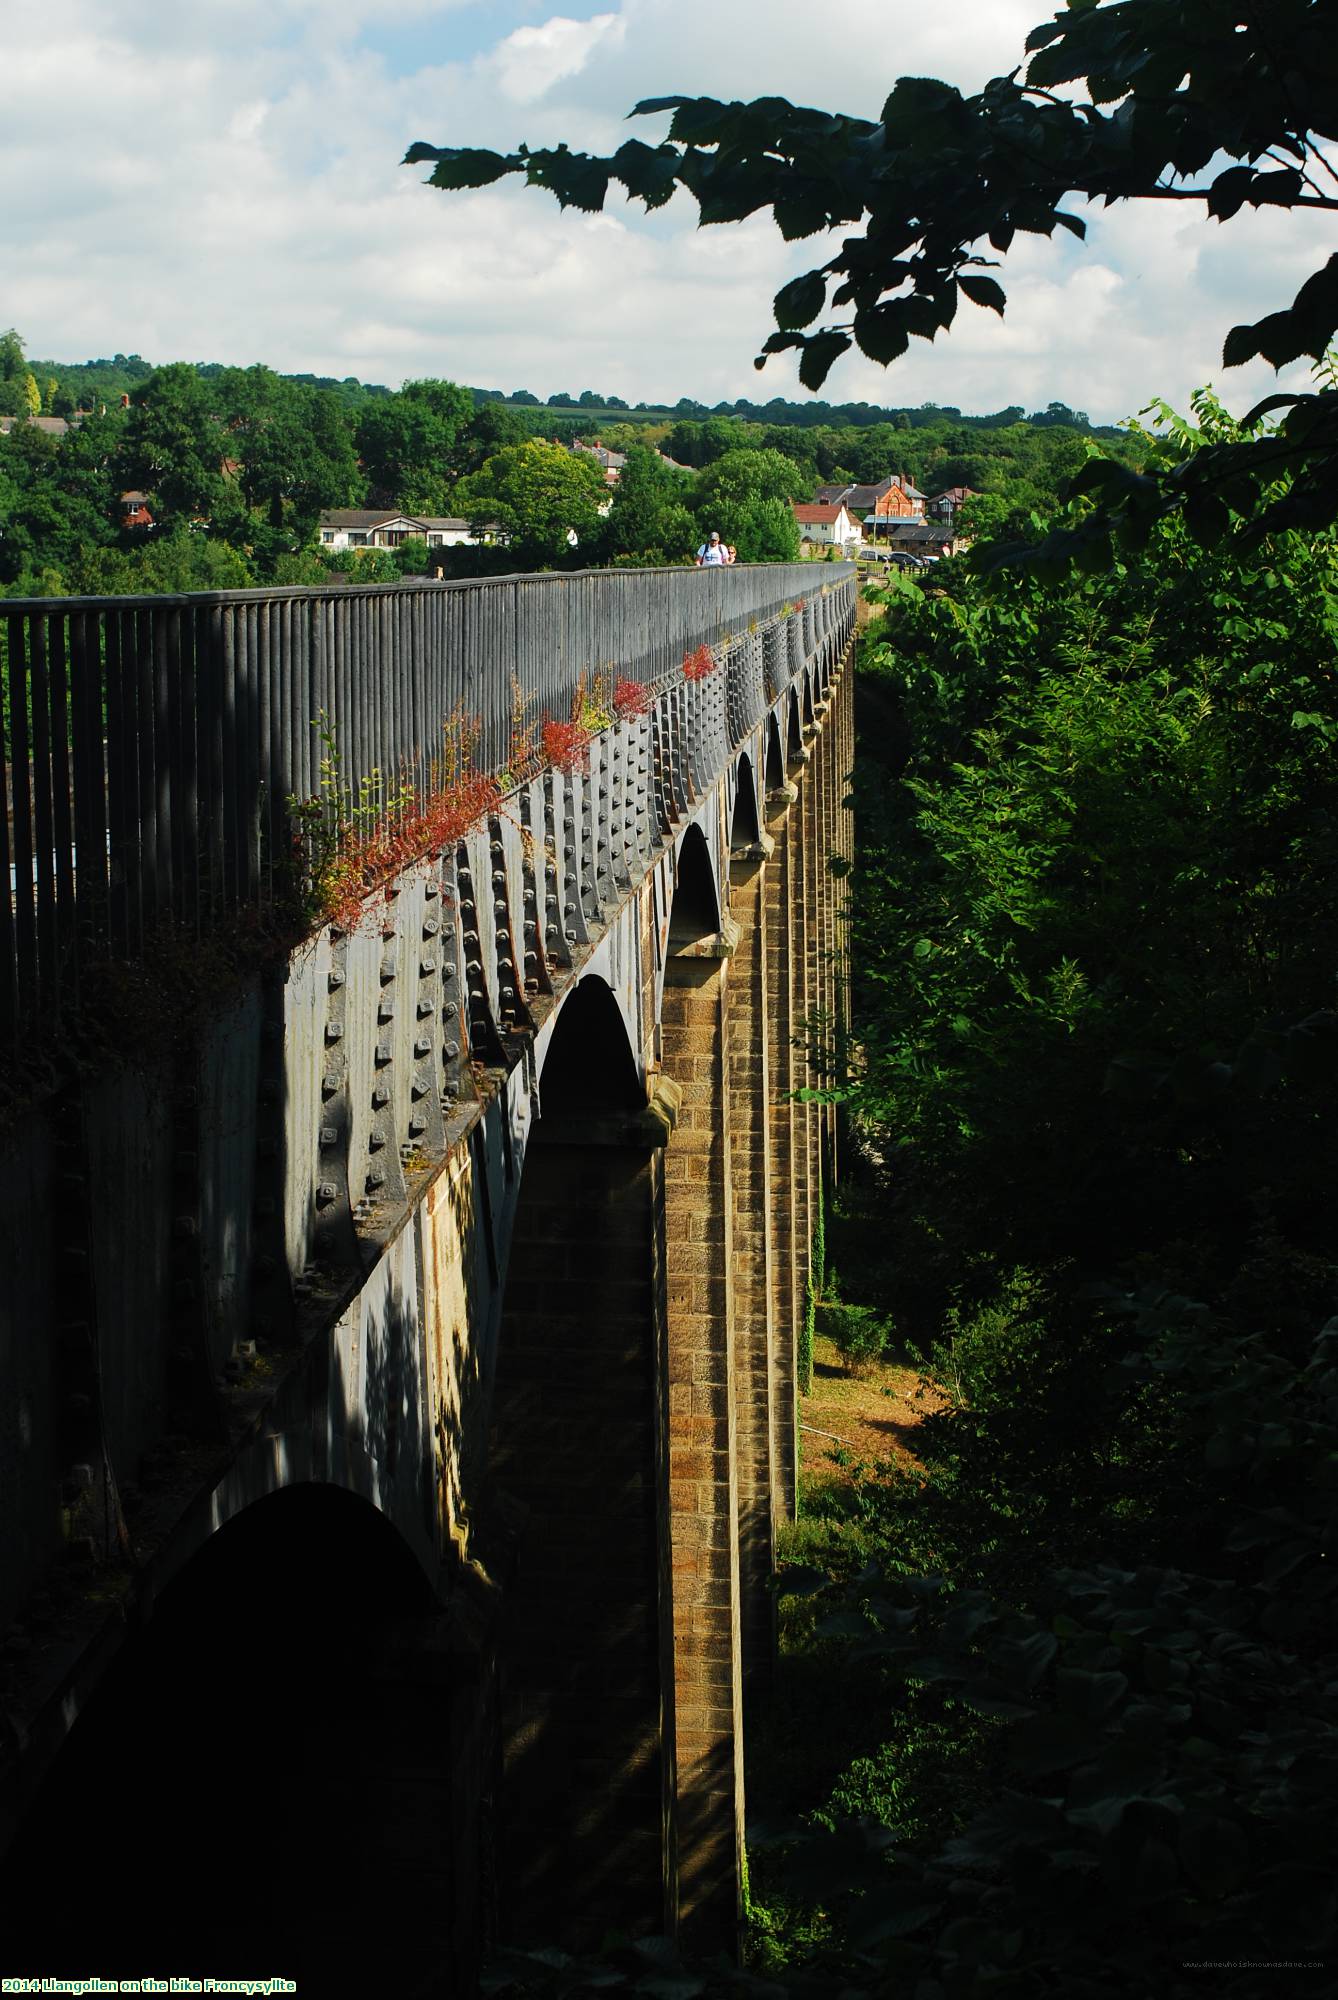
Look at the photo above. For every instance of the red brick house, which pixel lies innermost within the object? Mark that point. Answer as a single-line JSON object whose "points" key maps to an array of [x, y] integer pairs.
{"points": [[133, 511]]}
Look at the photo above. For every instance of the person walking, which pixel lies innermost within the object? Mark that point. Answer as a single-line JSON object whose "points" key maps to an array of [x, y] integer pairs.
{"points": [[710, 553]]}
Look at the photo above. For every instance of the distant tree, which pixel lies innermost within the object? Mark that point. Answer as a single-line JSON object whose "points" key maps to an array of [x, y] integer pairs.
{"points": [[12, 364], [684, 442], [56, 501], [763, 530], [791, 442], [32, 396], [1060, 413], [648, 516], [588, 400], [408, 444], [747, 495], [492, 427], [178, 561], [747, 475], [524, 396], [174, 445], [539, 493], [563, 400], [292, 443]]}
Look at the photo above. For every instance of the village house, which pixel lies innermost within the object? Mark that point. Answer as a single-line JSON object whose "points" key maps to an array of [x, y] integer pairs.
{"points": [[52, 427], [825, 525], [876, 505], [133, 510], [385, 528], [926, 539], [946, 506], [610, 462]]}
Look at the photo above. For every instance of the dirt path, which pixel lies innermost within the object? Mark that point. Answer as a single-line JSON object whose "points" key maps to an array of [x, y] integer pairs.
{"points": [[849, 1420]]}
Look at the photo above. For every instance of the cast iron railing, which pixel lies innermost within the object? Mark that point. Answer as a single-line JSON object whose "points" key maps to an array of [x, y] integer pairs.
{"points": [[152, 745]]}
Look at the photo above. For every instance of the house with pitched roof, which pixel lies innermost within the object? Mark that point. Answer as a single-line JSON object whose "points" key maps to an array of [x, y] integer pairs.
{"points": [[609, 462], [825, 524], [946, 506], [386, 528]]}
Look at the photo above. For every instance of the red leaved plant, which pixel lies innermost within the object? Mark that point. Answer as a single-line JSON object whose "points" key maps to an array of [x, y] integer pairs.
{"points": [[630, 697], [696, 666], [564, 743]]}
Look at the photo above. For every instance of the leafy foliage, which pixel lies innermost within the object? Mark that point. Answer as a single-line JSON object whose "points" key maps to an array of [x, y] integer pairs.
{"points": [[942, 179], [1095, 933], [542, 495]]}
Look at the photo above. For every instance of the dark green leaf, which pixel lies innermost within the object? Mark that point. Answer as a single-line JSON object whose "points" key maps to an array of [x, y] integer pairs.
{"points": [[984, 292], [799, 303]]}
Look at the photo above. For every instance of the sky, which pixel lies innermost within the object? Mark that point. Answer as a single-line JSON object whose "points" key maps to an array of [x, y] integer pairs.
{"points": [[220, 180]]}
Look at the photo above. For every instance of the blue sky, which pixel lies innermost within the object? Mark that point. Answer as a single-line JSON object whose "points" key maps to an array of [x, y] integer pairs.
{"points": [[221, 180]]}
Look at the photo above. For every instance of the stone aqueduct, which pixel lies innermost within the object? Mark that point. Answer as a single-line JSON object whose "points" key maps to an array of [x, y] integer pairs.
{"points": [[465, 1250]]}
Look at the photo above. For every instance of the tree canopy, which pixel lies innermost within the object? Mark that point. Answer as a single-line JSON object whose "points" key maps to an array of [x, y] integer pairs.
{"points": [[940, 187], [542, 495]]}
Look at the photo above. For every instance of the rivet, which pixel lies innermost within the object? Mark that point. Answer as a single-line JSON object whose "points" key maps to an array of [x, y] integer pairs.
{"points": [[377, 1177], [422, 1047], [426, 967], [331, 1082], [375, 1142], [448, 972], [431, 925], [451, 1051], [380, 1097], [417, 1127], [336, 980], [334, 1031], [383, 1052], [386, 1011], [425, 1007], [329, 1135]]}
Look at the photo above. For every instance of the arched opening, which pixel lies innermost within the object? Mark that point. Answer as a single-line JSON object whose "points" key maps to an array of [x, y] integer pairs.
{"points": [[696, 907], [746, 830], [577, 1481], [809, 718], [775, 760], [794, 747], [252, 1777], [589, 1066]]}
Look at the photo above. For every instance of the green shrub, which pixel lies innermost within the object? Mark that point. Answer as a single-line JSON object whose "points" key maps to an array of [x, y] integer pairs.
{"points": [[860, 1334]]}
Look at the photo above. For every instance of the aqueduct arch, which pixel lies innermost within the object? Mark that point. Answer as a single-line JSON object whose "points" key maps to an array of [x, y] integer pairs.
{"points": [[515, 1204], [255, 1773]]}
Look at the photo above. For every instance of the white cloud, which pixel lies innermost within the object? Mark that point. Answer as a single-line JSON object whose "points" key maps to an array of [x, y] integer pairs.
{"points": [[530, 61], [222, 182]]}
